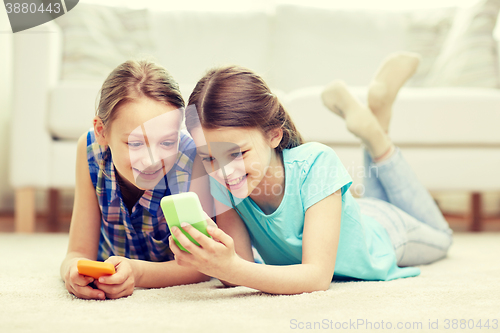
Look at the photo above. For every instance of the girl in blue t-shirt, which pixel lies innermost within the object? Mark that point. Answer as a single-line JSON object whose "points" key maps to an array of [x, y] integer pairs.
{"points": [[290, 200], [134, 155]]}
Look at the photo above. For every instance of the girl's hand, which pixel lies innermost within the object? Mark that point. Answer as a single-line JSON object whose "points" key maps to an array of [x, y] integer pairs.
{"points": [[214, 257], [120, 284], [78, 284]]}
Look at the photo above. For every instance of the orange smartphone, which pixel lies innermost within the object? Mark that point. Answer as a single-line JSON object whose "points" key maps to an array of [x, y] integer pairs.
{"points": [[95, 269]]}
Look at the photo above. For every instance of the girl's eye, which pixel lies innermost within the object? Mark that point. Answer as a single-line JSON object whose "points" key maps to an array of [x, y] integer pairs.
{"points": [[168, 143], [238, 154], [134, 144], [207, 159]]}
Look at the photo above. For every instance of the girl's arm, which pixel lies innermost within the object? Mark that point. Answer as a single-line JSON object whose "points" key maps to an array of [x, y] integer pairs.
{"points": [[84, 232], [230, 222], [84, 242], [165, 274], [131, 273], [319, 250]]}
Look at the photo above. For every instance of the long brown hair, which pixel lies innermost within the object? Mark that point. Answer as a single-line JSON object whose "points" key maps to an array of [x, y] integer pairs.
{"points": [[234, 96], [135, 79]]}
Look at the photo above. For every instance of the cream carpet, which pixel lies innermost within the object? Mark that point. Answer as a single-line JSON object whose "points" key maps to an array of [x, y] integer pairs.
{"points": [[465, 286]]}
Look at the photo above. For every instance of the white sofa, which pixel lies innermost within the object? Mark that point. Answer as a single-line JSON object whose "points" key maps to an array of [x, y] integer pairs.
{"points": [[449, 134]]}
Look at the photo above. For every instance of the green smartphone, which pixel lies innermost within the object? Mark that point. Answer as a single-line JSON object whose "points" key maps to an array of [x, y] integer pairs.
{"points": [[184, 207]]}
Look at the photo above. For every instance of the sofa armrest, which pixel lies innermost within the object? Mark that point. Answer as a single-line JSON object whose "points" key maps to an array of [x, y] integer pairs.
{"points": [[37, 58]]}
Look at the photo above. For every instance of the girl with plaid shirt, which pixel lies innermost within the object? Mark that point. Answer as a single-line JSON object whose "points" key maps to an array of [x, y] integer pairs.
{"points": [[135, 154]]}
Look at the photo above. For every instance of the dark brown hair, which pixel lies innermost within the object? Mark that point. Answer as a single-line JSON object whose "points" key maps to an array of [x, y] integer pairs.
{"points": [[135, 79], [234, 96]]}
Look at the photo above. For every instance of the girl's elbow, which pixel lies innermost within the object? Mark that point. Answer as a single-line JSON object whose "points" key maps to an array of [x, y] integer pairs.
{"points": [[318, 279], [227, 284], [322, 286], [196, 277], [313, 288], [203, 278], [322, 283]]}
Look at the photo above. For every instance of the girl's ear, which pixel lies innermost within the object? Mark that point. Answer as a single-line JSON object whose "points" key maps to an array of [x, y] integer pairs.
{"points": [[99, 131], [275, 137]]}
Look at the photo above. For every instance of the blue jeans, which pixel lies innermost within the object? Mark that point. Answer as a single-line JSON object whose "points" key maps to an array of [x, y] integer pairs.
{"points": [[403, 206]]}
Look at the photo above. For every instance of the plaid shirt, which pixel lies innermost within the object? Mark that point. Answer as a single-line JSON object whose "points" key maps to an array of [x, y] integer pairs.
{"points": [[144, 233]]}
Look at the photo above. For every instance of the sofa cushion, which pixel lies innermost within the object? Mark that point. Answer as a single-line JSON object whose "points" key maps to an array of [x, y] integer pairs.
{"points": [[189, 42], [312, 46], [62, 164], [440, 168], [99, 38], [421, 116], [496, 35], [72, 108], [469, 54], [73, 105], [426, 30]]}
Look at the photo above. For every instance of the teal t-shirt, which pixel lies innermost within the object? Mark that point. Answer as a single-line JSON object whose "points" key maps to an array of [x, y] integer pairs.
{"points": [[313, 171]]}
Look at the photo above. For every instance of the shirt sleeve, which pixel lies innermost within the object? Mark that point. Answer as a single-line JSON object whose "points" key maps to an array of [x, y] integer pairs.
{"points": [[324, 174], [94, 156]]}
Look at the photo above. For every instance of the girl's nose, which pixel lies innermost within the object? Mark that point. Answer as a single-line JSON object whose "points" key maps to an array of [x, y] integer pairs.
{"points": [[149, 156], [156, 154], [146, 159], [226, 170], [221, 174]]}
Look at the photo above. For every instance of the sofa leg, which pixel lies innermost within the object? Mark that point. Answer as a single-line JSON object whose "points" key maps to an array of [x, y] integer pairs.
{"points": [[477, 212], [25, 210], [53, 213]]}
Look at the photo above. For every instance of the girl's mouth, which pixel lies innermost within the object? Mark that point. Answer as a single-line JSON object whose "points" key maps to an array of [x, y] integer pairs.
{"points": [[236, 183], [150, 174]]}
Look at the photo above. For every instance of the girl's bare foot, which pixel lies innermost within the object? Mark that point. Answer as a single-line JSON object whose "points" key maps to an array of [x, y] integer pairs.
{"points": [[360, 121], [396, 69]]}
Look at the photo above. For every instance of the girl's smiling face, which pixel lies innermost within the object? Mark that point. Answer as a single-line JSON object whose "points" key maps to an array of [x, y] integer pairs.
{"points": [[242, 159], [143, 139]]}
